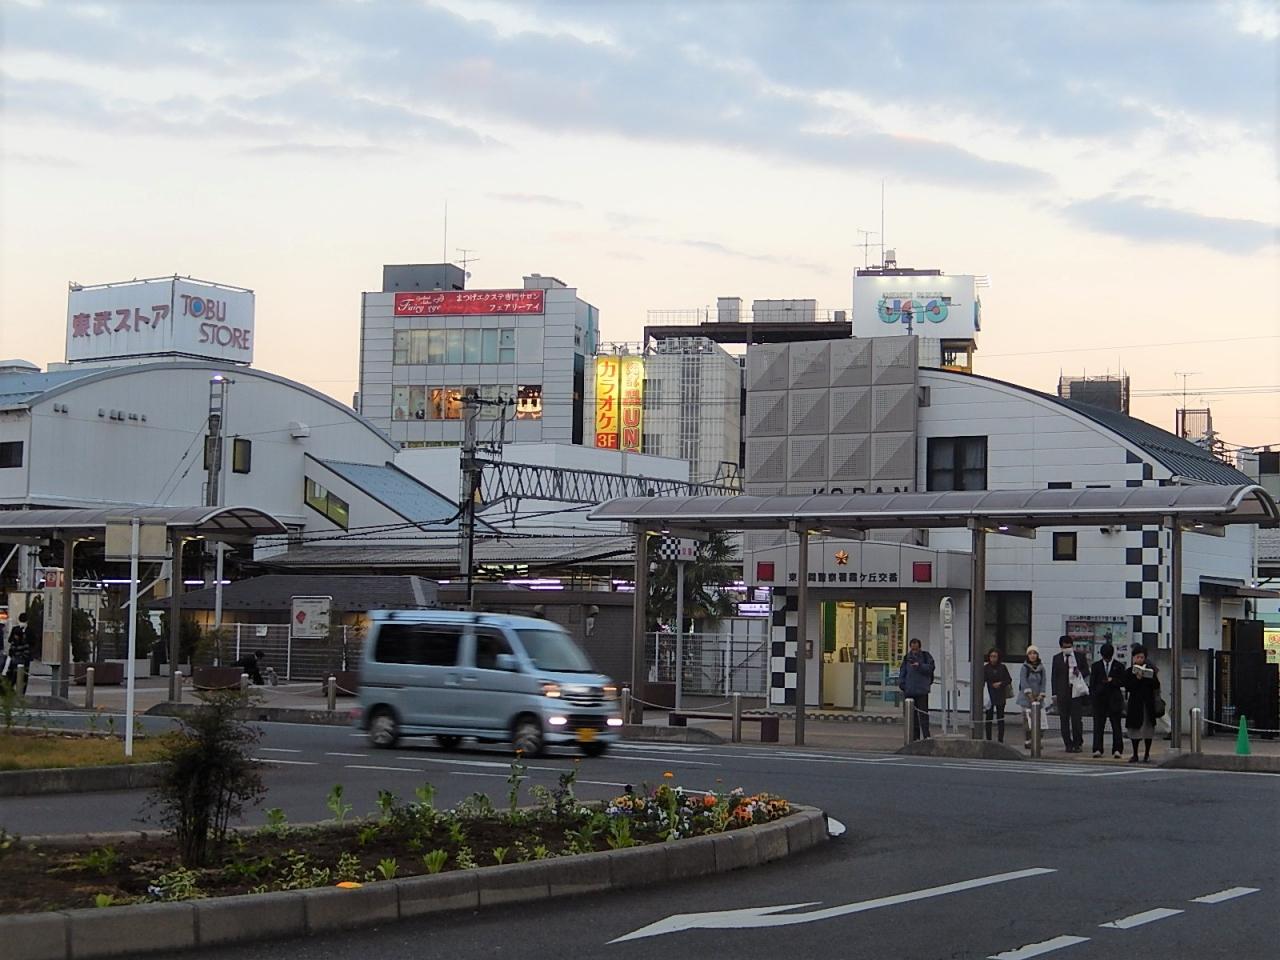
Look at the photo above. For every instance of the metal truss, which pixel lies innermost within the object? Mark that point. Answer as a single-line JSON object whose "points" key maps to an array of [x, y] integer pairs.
{"points": [[502, 480]]}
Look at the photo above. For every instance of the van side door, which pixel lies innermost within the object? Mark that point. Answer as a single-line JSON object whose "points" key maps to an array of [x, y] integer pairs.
{"points": [[496, 694], [424, 654]]}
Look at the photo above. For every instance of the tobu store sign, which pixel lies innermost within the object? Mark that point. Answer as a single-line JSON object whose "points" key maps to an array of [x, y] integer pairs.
{"points": [[475, 303], [162, 317]]}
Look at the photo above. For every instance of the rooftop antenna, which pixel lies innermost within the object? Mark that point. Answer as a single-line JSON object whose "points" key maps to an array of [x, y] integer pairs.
{"points": [[466, 258], [866, 244], [882, 223], [444, 247], [1185, 376]]}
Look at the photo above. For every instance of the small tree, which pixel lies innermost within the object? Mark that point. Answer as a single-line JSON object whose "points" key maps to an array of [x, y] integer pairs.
{"points": [[707, 582], [207, 776]]}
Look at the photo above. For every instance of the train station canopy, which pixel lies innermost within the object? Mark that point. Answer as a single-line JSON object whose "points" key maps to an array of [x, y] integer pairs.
{"points": [[1206, 505], [231, 524]]}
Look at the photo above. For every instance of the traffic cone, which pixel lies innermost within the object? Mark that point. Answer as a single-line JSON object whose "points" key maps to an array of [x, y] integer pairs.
{"points": [[1242, 738]]}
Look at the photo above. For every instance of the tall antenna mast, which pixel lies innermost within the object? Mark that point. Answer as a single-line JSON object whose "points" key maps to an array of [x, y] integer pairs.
{"points": [[866, 244], [444, 247], [1185, 376], [882, 222]]}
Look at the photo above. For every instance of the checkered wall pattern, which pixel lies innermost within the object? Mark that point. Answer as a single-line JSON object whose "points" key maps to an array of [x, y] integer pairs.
{"points": [[783, 642]]}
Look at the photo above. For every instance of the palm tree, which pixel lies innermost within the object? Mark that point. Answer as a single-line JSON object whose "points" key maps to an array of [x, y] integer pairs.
{"points": [[708, 580]]}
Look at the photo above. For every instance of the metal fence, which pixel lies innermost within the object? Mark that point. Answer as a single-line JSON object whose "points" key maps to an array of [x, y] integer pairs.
{"points": [[291, 659], [714, 664]]}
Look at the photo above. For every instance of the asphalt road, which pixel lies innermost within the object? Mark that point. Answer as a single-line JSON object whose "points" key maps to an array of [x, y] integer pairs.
{"points": [[941, 859]]}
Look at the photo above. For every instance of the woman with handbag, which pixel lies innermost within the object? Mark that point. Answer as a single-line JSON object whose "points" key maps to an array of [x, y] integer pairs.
{"points": [[999, 688], [1142, 680]]}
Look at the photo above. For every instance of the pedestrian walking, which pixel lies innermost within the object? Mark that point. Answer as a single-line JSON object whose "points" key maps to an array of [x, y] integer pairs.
{"points": [[1106, 687], [1031, 684], [999, 689], [1070, 692], [19, 655], [1142, 680], [914, 679]]}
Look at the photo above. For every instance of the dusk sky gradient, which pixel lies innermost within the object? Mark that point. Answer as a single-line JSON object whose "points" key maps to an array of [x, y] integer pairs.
{"points": [[1111, 166]]}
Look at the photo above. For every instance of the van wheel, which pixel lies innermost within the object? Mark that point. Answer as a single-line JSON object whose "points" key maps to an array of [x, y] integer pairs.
{"points": [[596, 748], [448, 742], [384, 732], [527, 737]]}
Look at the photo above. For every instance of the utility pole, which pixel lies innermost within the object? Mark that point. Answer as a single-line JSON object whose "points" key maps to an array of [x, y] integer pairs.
{"points": [[218, 385], [470, 487]]}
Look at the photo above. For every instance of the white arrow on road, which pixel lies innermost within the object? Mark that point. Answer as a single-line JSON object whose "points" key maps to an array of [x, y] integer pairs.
{"points": [[756, 917]]}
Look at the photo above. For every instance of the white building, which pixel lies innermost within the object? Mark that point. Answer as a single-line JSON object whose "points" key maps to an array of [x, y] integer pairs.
{"points": [[692, 406], [969, 433], [425, 341]]}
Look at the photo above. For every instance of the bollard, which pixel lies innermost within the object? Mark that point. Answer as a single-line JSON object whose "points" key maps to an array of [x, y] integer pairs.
{"points": [[177, 686], [624, 696], [1037, 724], [244, 683], [1197, 729], [331, 692], [21, 679], [907, 706], [88, 688], [736, 730]]}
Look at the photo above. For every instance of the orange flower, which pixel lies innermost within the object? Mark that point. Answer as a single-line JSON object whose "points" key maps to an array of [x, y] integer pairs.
{"points": [[668, 775], [708, 801]]}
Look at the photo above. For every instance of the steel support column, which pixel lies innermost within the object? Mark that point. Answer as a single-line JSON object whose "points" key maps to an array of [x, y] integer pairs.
{"points": [[175, 613], [68, 625], [977, 624], [802, 628], [1175, 633], [640, 603]]}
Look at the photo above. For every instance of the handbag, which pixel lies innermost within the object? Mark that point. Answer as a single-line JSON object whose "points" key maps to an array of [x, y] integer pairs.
{"points": [[1158, 707]]}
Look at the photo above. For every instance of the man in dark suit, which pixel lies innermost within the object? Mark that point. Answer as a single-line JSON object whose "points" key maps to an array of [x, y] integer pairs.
{"points": [[1070, 691], [1108, 699]]}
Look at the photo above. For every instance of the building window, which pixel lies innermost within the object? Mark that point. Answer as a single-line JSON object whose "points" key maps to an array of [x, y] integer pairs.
{"points": [[330, 504], [957, 463], [10, 454], [241, 455], [1064, 546], [400, 348], [1059, 484], [651, 443], [1009, 623], [507, 345]]}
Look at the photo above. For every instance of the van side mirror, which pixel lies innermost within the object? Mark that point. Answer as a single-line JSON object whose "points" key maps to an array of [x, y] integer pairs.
{"points": [[507, 661]]}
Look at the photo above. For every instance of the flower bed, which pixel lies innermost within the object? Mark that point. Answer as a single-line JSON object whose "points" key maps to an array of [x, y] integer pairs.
{"points": [[402, 838], [42, 750]]}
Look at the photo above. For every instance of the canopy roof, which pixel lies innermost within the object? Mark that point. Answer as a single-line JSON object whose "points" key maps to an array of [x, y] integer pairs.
{"points": [[1208, 504], [212, 523]]}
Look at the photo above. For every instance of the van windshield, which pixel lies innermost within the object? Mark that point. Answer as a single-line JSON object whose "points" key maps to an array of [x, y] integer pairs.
{"points": [[553, 651]]}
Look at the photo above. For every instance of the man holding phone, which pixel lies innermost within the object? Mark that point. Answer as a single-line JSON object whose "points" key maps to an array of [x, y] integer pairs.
{"points": [[914, 679]]}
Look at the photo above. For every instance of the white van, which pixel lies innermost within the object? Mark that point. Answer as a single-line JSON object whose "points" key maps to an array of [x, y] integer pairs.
{"points": [[489, 676]]}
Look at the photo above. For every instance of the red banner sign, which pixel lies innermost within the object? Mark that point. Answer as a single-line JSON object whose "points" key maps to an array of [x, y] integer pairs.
{"points": [[468, 302]]}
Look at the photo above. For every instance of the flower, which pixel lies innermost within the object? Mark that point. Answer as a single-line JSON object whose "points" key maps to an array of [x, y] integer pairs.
{"points": [[668, 775]]}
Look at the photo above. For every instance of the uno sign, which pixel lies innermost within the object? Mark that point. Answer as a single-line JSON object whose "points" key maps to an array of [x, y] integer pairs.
{"points": [[169, 316]]}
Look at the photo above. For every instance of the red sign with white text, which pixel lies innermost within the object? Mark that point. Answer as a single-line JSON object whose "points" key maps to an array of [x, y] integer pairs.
{"points": [[468, 302]]}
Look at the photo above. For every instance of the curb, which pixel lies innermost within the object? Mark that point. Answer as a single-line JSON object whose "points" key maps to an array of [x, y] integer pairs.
{"points": [[961, 747], [145, 928], [120, 776], [652, 731], [1229, 762], [339, 718]]}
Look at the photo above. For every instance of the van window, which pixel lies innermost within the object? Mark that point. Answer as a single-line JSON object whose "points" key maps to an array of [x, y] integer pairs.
{"points": [[553, 650], [418, 643], [490, 643]]}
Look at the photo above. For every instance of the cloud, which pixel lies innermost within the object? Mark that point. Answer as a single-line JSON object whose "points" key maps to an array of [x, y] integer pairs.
{"points": [[40, 160], [322, 150], [537, 199], [1144, 220], [720, 249]]}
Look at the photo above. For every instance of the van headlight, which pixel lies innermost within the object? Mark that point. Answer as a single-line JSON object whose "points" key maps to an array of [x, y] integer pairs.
{"points": [[610, 692], [551, 690]]}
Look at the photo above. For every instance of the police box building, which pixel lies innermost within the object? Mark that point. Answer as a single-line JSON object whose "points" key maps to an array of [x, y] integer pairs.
{"points": [[863, 415]]}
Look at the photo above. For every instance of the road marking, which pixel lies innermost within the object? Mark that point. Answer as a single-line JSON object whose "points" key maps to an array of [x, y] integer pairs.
{"points": [[292, 763], [358, 756], [356, 766], [277, 750], [673, 761], [653, 749], [1038, 949], [1222, 895], [757, 917], [1140, 919]]}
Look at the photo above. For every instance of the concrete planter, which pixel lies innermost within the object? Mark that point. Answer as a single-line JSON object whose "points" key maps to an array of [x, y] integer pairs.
{"points": [[153, 927], [120, 776], [106, 673]]}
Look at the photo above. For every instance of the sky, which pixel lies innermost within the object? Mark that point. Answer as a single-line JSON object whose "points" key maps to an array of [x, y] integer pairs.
{"points": [[1112, 167]]}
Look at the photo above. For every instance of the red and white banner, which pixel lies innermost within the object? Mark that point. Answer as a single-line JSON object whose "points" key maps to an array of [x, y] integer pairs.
{"points": [[468, 303]]}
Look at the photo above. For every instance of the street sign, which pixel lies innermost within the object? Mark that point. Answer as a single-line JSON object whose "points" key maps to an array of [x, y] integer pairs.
{"points": [[153, 543], [309, 619]]}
